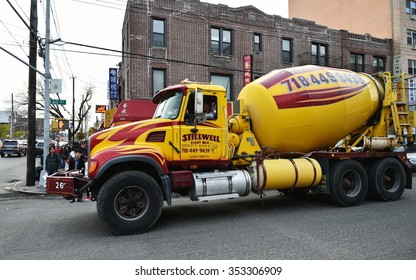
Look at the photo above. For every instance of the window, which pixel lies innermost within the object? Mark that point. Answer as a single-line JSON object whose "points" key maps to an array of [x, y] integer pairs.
{"points": [[287, 51], [411, 37], [379, 64], [158, 80], [257, 43], [319, 54], [410, 7], [158, 33], [357, 62], [220, 41], [223, 80], [412, 67]]}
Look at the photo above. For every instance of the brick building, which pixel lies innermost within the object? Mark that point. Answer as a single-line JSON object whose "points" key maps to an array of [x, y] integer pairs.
{"points": [[166, 41]]}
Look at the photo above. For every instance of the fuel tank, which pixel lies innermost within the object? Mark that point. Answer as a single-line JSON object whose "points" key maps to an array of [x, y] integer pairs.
{"points": [[309, 107]]}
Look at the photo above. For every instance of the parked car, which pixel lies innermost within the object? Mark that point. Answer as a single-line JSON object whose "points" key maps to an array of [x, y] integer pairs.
{"points": [[39, 148], [13, 147], [411, 155]]}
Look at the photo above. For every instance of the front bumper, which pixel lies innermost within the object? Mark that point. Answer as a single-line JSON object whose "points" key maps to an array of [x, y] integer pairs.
{"points": [[68, 183]]}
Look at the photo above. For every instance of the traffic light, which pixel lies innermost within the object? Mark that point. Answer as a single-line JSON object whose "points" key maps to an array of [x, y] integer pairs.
{"points": [[63, 124]]}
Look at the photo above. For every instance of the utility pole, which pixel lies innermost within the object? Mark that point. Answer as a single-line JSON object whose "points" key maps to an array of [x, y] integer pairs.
{"points": [[31, 118], [73, 111], [12, 120], [47, 98]]}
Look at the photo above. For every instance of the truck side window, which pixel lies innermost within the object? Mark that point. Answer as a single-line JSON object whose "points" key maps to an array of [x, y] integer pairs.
{"points": [[210, 107]]}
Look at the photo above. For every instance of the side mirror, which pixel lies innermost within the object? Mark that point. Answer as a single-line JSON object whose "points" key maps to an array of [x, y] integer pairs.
{"points": [[199, 101]]}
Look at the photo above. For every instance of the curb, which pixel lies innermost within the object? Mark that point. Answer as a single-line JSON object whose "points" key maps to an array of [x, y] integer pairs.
{"points": [[12, 190]]}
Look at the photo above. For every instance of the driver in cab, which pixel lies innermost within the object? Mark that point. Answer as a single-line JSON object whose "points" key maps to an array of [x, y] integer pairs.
{"points": [[208, 110]]}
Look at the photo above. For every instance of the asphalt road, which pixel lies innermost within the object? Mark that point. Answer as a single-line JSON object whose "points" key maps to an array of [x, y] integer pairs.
{"points": [[276, 227]]}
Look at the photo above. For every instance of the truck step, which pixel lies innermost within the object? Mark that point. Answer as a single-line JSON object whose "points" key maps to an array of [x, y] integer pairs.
{"points": [[217, 197]]}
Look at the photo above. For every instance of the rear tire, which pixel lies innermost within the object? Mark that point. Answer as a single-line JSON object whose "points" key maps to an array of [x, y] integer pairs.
{"points": [[387, 180], [348, 183], [130, 202]]}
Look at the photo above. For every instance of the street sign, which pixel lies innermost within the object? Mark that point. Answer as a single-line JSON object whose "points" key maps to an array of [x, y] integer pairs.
{"points": [[56, 86], [58, 101]]}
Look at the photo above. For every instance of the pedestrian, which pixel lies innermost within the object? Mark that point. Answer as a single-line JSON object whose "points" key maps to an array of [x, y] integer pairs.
{"points": [[64, 153], [77, 162], [53, 161]]}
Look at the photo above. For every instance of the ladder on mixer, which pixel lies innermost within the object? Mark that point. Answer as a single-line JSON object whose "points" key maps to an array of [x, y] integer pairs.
{"points": [[400, 110]]}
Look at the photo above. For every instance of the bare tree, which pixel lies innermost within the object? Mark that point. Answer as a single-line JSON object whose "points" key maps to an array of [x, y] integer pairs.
{"points": [[56, 111], [83, 111]]}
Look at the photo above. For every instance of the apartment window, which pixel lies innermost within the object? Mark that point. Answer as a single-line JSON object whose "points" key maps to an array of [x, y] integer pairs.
{"points": [[158, 80], [379, 64], [357, 62], [220, 41], [287, 51], [411, 7], [319, 54], [158, 33], [257, 43], [411, 37], [223, 80], [412, 67]]}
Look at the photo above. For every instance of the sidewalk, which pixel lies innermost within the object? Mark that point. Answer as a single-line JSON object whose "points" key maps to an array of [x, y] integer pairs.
{"points": [[10, 189]]}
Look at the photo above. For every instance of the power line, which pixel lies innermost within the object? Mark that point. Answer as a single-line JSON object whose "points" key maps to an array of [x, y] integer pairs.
{"points": [[14, 38]]}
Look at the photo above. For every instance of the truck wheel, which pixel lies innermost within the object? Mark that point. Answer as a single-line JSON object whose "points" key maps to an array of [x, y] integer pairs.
{"points": [[387, 180], [348, 183], [130, 202]]}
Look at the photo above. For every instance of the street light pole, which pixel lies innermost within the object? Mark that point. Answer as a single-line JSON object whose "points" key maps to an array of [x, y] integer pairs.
{"points": [[47, 98], [12, 120], [73, 110]]}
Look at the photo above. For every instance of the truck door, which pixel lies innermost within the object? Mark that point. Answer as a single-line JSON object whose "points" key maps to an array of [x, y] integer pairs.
{"points": [[201, 141]]}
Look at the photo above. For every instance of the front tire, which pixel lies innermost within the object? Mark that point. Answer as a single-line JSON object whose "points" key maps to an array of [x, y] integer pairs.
{"points": [[348, 183], [130, 202], [387, 180]]}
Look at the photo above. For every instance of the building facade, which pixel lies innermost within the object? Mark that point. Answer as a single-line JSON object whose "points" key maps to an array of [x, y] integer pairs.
{"points": [[391, 19], [165, 42]]}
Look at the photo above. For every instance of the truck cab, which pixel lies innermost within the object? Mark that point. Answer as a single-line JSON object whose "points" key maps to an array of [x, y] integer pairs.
{"points": [[179, 136], [196, 138]]}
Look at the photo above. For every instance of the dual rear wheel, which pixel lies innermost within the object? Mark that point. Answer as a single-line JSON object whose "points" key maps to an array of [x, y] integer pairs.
{"points": [[349, 182]]}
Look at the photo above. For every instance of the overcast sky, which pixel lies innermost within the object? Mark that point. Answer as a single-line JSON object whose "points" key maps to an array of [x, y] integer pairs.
{"points": [[88, 22]]}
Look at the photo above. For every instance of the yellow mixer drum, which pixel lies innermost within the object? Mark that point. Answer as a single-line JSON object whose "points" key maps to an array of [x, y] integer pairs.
{"points": [[309, 107]]}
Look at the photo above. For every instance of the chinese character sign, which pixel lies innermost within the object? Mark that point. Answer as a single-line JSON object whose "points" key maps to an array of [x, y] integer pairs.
{"points": [[412, 91], [113, 83], [248, 69], [397, 67]]}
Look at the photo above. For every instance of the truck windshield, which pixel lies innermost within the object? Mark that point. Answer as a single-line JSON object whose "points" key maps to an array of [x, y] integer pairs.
{"points": [[169, 106]]}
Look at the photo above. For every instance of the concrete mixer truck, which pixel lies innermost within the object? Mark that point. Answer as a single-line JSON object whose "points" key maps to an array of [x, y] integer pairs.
{"points": [[297, 130]]}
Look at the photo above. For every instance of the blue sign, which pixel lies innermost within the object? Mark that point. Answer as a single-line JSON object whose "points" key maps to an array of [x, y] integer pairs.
{"points": [[113, 83]]}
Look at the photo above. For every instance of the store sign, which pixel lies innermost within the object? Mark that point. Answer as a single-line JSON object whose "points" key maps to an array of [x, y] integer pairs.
{"points": [[113, 83], [397, 65], [100, 108], [248, 69], [412, 91]]}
